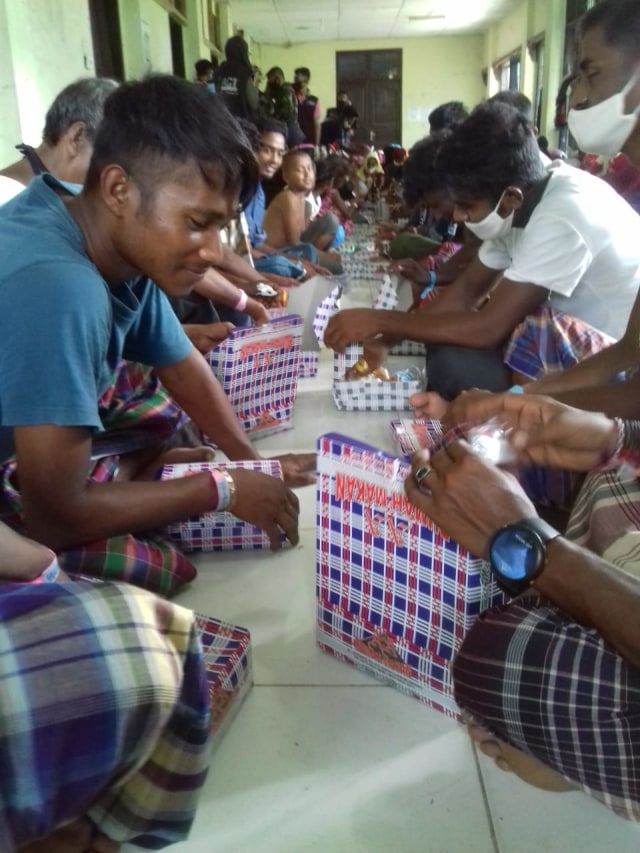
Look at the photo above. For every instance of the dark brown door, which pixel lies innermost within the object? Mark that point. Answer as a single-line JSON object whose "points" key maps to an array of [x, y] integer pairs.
{"points": [[105, 34], [373, 79]]}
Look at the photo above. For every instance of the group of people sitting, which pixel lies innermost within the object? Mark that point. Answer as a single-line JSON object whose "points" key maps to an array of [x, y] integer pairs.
{"points": [[119, 261]]}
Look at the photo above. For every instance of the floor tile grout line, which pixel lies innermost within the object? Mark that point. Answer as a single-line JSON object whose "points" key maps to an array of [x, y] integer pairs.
{"points": [[485, 798]]}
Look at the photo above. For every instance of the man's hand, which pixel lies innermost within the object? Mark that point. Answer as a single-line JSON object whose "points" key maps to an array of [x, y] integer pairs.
{"points": [[206, 336], [312, 269], [468, 498], [298, 469], [410, 269], [351, 326], [428, 404], [543, 431], [257, 311], [280, 281], [266, 502]]}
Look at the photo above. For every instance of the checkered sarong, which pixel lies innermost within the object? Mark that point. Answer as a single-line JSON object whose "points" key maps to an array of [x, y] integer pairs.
{"points": [[548, 341], [555, 690], [148, 560], [104, 709]]}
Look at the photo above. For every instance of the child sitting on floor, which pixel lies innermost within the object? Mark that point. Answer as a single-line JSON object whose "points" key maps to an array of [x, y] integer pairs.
{"points": [[287, 221]]}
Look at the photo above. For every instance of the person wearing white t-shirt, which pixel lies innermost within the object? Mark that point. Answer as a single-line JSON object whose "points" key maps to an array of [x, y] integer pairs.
{"points": [[554, 281]]}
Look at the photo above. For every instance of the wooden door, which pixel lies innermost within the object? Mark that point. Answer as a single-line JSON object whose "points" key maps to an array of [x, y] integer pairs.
{"points": [[373, 80]]}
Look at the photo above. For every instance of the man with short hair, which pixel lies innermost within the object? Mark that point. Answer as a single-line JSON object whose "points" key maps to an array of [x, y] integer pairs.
{"points": [[70, 127], [204, 73], [560, 262], [308, 106], [168, 168]]}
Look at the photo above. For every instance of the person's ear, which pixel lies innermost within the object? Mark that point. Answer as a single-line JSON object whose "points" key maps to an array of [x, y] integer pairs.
{"points": [[512, 199], [74, 139], [119, 191]]}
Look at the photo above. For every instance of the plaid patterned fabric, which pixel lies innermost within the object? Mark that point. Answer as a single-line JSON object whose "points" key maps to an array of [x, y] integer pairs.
{"points": [[549, 341], [219, 531], [258, 369], [136, 412], [325, 311], [226, 652], [148, 560], [606, 518], [104, 711], [555, 690], [379, 560], [308, 364], [368, 395], [362, 267]]}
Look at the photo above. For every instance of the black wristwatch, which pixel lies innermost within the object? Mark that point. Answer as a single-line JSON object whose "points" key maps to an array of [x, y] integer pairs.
{"points": [[517, 553]]}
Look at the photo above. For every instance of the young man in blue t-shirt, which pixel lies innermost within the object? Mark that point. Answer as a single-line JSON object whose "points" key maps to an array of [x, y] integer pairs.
{"points": [[88, 276]]}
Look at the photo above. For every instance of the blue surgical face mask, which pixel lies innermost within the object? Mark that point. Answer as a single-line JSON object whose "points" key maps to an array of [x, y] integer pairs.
{"points": [[493, 226]]}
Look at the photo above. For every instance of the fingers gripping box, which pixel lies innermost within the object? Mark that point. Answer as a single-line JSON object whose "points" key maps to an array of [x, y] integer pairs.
{"points": [[394, 595], [219, 531], [226, 652], [258, 369]]}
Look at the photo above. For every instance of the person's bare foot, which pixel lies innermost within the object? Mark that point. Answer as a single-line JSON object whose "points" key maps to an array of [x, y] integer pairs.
{"points": [[513, 760], [428, 404], [79, 836], [146, 465]]}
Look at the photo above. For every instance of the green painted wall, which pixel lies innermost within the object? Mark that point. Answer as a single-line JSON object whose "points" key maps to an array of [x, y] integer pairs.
{"points": [[434, 70]]}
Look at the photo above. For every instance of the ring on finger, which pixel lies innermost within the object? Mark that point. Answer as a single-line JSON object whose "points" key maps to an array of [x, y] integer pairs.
{"points": [[422, 473]]}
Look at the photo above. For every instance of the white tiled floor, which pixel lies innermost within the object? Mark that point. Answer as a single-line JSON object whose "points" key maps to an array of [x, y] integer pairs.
{"points": [[321, 757]]}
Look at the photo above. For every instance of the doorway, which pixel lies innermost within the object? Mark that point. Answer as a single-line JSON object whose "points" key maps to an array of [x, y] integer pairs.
{"points": [[373, 81], [105, 35], [177, 48]]}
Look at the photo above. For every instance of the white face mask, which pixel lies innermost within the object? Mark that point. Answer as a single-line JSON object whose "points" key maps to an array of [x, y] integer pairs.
{"points": [[604, 128], [493, 226]]}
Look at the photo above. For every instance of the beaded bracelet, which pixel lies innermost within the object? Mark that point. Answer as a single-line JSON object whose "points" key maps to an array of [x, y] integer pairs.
{"points": [[225, 489], [626, 453]]}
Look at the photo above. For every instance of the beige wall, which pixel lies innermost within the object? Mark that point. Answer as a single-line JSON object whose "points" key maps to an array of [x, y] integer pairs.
{"points": [[44, 46], [434, 70]]}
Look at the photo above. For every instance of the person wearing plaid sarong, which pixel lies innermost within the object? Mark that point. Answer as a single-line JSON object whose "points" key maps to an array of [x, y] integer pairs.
{"points": [[104, 714], [550, 682]]}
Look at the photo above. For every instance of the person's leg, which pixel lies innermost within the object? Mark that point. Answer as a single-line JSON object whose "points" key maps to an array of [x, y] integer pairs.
{"points": [[451, 370], [114, 739], [306, 251], [279, 265], [552, 690], [321, 231]]}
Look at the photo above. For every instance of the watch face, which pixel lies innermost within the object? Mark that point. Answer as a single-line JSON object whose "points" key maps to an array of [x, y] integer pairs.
{"points": [[516, 554]]}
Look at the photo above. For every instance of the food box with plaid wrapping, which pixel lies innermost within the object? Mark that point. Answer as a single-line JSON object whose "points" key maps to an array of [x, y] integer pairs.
{"points": [[258, 369], [407, 436], [395, 294], [219, 531], [226, 651], [395, 596], [370, 394]]}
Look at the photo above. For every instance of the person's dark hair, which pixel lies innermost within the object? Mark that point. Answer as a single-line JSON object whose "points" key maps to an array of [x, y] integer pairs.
{"points": [[304, 72], [420, 172], [325, 171], [447, 115], [202, 66], [237, 50], [152, 124], [275, 70], [620, 24], [493, 149], [80, 101], [290, 156], [266, 124], [516, 100]]}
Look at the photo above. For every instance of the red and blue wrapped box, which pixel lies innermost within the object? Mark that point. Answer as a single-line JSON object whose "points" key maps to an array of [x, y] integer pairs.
{"points": [[219, 531], [228, 667], [258, 369], [407, 435], [394, 595]]}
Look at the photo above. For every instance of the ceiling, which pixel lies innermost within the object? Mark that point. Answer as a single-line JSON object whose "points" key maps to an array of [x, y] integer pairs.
{"points": [[291, 21]]}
